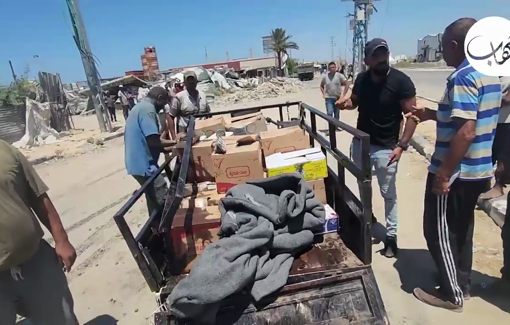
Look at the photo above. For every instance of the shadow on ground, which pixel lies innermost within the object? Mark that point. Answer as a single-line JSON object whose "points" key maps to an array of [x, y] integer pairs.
{"points": [[99, 320], [416, 268], [102, 320]]}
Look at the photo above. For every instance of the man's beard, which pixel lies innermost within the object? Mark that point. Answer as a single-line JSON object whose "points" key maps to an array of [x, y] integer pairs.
{"points": [[381, 69]]}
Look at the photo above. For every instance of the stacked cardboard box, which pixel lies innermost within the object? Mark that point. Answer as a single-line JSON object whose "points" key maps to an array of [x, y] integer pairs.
{"points": [[242, 162], [192, 230], [248, 155]]}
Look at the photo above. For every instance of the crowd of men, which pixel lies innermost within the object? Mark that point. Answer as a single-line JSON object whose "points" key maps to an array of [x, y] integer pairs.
{"points": [[472, 112], [469, 141]]}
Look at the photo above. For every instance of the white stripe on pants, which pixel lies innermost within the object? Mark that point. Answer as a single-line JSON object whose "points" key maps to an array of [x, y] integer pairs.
{"points": [[444, 246]]}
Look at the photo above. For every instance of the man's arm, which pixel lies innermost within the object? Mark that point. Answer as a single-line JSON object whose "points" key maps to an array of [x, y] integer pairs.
{"points": [[149, 127], [408, 102], [464, 114], [46, 213], [352, 102], [173, 112], [323, 83], [506, 98], [345, 83]]}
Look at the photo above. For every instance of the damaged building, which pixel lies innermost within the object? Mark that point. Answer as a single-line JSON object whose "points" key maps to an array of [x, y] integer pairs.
{"points": [[251, 67], [429, 48]]}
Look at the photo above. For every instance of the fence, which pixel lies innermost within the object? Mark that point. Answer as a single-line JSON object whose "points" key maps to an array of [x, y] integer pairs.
{"points": [[12, 122]]}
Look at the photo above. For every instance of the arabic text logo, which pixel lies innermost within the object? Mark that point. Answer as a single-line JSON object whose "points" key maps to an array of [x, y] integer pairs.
{"points": [[487, 46]]}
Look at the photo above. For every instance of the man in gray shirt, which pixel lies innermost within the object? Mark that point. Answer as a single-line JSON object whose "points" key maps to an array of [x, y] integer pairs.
{"points": [[331, 88], [186, 103]]}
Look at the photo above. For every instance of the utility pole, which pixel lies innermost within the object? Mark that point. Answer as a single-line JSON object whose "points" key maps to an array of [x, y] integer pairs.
{"points": [[251, 54], [12, 71], [80, 36], [228, 57], [333, 44], [363, 9], [205, 48]]}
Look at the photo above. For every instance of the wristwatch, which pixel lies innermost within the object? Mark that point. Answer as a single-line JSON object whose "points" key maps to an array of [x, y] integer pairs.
{"points": [[404, 146]]}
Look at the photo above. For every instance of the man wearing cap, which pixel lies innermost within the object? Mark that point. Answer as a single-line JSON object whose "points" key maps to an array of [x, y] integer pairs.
{"points": [[143, 145], [381, 95], [187, 103]]}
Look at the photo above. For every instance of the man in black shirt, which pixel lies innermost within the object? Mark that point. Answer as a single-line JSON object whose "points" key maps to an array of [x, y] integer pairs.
{"points": [[382, 94]]}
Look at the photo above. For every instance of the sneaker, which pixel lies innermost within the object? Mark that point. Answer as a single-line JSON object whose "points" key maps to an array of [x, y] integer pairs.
{"points": [[435, 299], [465, 289], [390, 247]]}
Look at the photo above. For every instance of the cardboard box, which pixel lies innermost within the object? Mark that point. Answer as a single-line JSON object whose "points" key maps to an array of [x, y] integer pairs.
{"points": [[190, 241], [283, 140], [241, 163], [319, 187], [209, 126], [202, 169], [246, 124], [310, 163], [202, 199]]}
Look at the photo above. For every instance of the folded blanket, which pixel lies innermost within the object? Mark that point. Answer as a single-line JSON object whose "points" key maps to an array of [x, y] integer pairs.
{"points": [[264, 224]]}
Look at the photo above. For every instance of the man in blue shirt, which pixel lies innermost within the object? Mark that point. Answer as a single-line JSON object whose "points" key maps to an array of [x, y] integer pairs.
{"points": [[460, 169], [143, 145]]}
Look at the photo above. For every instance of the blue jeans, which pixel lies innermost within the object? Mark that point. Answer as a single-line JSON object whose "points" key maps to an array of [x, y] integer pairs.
{"points": [[331, 108], [386, 177]]}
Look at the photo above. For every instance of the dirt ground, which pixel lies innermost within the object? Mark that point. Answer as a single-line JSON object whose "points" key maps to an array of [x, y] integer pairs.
{"points": [[108, 287]]}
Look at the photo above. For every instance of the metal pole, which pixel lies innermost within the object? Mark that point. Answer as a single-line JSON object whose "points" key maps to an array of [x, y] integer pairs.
{"points": [[12, 70], [89, 65], [332, 48]]}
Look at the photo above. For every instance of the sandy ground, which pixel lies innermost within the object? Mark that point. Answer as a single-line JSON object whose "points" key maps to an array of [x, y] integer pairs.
{"points": [[84, 138], [109, 289]]}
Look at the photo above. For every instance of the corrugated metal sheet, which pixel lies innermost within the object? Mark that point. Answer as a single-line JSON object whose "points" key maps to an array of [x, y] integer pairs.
{"points": [[12, 123], [262, 63]]}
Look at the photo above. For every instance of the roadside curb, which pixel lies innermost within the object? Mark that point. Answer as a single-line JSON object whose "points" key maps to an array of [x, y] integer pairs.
{"points": [[494, 208], [114, 135]]}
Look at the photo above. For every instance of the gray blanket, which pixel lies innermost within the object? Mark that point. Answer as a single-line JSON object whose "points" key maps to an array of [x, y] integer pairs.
{"points": [[264, 224]]}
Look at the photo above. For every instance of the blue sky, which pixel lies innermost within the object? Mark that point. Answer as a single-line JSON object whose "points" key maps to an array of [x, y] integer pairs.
{"points": [[118, 30]]}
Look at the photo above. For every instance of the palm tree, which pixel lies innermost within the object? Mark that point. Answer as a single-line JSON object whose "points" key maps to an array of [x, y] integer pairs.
{"points": [[280, 43]]}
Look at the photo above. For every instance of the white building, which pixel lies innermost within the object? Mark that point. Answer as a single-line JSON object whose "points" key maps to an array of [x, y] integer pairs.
{"points": [[429, 48]]}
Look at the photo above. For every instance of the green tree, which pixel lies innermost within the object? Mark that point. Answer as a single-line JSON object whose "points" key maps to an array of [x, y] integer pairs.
{"points": [[292, 66], [281, 43], [15, 93]]}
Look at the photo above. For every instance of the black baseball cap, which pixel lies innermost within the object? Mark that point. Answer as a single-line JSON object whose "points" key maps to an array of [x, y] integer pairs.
{"points": [[374, 44]]}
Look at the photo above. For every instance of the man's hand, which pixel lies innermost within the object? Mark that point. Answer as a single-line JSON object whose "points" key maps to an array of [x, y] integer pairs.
{"points": [[341, 101], [423, 113], [395, 155], [441, 183], [324, 95], [440, 186], [66, 252]]}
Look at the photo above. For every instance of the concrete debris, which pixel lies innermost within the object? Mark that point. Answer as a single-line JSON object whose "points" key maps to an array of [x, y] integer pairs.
{"points": [[38, 129], [75, 103], [272, 88]]}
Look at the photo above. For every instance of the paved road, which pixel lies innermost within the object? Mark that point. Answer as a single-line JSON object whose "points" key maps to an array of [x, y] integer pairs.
{"points": [[430, 84]]}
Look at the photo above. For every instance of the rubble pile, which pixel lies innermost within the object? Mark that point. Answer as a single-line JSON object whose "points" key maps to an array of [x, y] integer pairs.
{"points": [[272, 88]]}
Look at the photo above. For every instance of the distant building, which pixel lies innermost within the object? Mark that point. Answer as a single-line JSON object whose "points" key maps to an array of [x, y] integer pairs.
{"points": [[137, 73], [429, 48], [256, 66], [150, 63]]}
